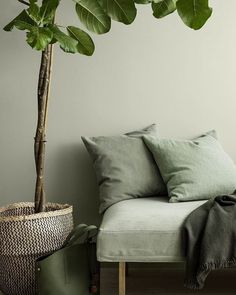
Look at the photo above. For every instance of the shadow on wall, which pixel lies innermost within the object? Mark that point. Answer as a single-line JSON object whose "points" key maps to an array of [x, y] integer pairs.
{"points": [[72, 180]]}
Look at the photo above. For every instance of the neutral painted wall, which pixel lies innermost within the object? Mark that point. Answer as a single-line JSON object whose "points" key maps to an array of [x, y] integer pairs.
{"points": [[152, 71]]}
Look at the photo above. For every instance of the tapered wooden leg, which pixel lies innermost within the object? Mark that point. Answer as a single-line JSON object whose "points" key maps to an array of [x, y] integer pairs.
{"points": [[122, 278]]}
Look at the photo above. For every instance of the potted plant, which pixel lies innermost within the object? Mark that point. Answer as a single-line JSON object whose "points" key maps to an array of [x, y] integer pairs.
{"points": [[29, 230]]}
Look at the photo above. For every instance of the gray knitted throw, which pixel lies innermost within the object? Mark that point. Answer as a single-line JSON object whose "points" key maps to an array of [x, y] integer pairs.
{"points": [[210, 239]]}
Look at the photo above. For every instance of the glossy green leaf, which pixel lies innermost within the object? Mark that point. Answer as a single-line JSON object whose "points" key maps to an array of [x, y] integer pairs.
{"points": [[93, 16], [38, 38], [120, 10], [162, 8], [53, 41], [85, 43], [194, 13], [47, 10], [21, 25], [33, 11], [67, 43], [21, 22]]}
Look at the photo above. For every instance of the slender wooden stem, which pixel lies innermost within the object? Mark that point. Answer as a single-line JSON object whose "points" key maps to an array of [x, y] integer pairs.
{"points": [[49, 86], [44, 83]]}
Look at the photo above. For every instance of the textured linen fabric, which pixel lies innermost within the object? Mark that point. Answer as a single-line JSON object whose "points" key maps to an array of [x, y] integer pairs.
{"points": [[193, 169], [124, 167], [143, 230]]}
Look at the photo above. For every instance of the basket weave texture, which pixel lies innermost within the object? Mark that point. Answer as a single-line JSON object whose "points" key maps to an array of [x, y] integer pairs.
{"points": [[24, 237]]}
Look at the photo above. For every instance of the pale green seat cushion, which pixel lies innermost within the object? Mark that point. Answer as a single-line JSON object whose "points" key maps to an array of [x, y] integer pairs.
{"points": [[124, 167], [143, 230], [193, 169]]}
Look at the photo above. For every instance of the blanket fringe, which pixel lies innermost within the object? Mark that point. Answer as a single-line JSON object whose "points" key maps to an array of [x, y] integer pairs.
{"points": [[192, 284], [195, 284], [218, 264]]}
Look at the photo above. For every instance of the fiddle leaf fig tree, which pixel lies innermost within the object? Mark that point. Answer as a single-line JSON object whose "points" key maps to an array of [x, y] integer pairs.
{"points": [[37, 19]]}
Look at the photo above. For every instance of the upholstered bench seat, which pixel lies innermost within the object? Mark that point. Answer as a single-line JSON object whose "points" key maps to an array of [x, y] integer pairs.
{"points": [[143, 230]]}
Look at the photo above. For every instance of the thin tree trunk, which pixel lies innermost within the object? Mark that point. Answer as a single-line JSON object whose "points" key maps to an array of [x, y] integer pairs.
{"points": [[40, 136]]}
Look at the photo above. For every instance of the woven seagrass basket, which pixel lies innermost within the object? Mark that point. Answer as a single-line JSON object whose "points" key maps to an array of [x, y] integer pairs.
{"points": [[25, 236]]}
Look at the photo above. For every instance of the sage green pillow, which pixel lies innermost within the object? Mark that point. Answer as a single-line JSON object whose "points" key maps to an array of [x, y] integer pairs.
{"points": [[124, 167], [193, 169]]}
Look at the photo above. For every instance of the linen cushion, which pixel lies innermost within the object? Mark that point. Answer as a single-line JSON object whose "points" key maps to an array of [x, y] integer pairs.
{"points": [[144, 230], [124, 167], [193, 169]]}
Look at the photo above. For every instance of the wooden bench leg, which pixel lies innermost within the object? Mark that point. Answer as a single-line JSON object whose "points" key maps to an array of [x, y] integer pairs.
{"points": [[122, 278]]}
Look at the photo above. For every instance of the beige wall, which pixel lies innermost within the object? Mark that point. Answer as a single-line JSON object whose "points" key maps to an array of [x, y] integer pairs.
{"points": [[152, 71]]}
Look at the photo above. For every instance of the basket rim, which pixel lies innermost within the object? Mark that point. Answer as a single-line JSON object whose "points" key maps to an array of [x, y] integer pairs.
{"points": [[60, 210]]}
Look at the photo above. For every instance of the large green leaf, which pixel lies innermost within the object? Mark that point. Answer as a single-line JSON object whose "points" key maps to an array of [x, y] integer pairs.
{"points": [[162, 8], [38, 38], [67, 43], [33, 11], [93, 16], [120, 10], [21, 22], [85, 43], [194, 13], [47, 10]]}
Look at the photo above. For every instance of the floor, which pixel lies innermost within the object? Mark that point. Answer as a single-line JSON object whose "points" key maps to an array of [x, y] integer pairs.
{"points": [[163, 280]]}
